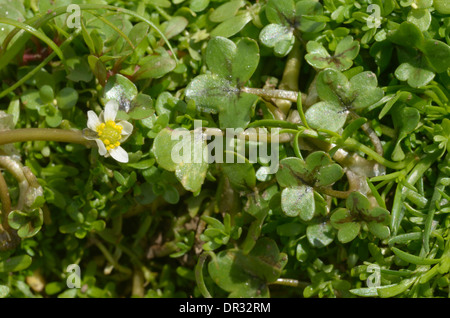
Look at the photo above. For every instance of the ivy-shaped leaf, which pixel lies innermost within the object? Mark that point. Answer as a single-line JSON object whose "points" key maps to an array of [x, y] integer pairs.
{"points": [[285, 17], [405, 120], [248, 275], [320, 234], [420, 58], [346, 51], [27, 223], [339, 95], [358, 215], [299, 178], [232, 64], [182, 155]]}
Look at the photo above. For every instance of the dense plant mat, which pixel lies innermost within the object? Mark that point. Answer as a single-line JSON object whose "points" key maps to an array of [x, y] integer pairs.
{"points": [[211, 148]]}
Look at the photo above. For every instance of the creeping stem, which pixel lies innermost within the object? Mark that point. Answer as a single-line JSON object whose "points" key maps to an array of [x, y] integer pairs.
{"points": [[274, 93], [199, 274], [6, 202], [43, 134]]}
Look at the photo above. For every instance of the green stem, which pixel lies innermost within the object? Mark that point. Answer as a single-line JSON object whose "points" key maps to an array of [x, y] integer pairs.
{"points": [[16, 169], [161, 11], [110, 258], [290, 282], [37, 68], [199, 274], [335, 193], [289, 81], [148, 275], [36, 33], [438, 188], [417, 172], [371, 134], [352, 143], [6, 202], [38, 21], [43, 134], [274, 93], [272, 123]]}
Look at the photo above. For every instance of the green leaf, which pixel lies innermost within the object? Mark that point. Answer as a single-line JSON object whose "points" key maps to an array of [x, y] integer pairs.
{"points": [[442, 6], [78, 68], [408, 35], [339, 94], [174, 26], [320, 234], [280, 11], [364, 90], [139, 31], [326, 115], [343, 221], [318, 56], [379, 230], [235, 62], [53, 115], [15, 11], [232, 65], [317, 170], [28, 224], [438, 54], [368, 291], [154, 66], [31, 99], [391, 291], [98, 68], [214, 94], [421, 18], [233, 279], [416, 73], [4, 291], [333, 87], [278, 37], [413, 259], [198, 5], [232, 26], [141, 107], [406, 120], [15, 264], [120, 89], [309, 8], [345, 52], [241, 175], [184, 156], [348, 232], [328, 174], [226, 11], [357, 202], [248, 275], [67, 98], [298, 200], [290, 170], [162, 148], [46, 94], [286, 16]]}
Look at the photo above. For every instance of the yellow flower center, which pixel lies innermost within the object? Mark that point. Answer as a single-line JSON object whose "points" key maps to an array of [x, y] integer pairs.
{"points": [[110, 133]]}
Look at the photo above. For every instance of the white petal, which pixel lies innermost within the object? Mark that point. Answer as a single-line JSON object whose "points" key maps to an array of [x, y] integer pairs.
{"points": [[119, 154], [127, 127], [111, 109], [93, 120], [101, 147]]}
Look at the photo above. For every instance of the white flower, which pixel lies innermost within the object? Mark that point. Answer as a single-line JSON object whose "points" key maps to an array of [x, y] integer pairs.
{"points": [[109, 133]]}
